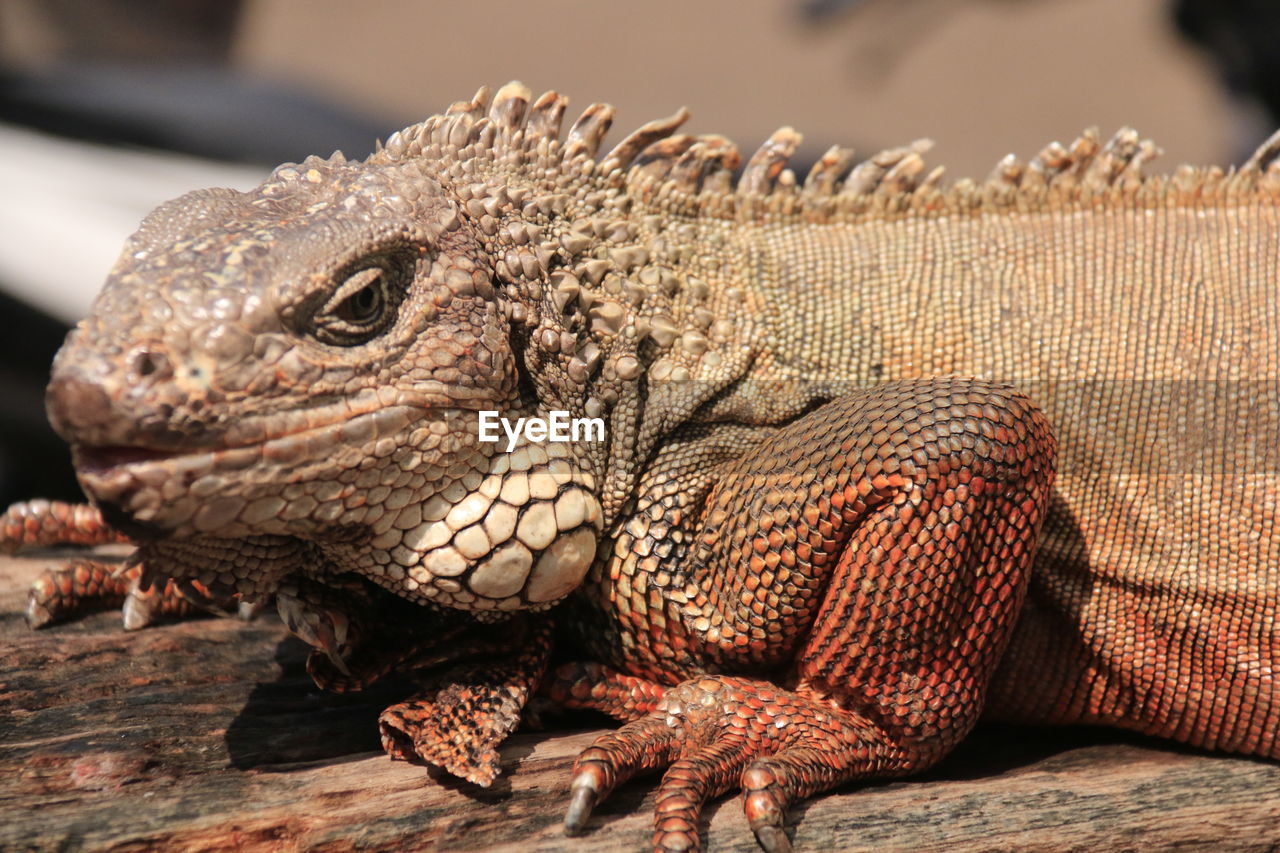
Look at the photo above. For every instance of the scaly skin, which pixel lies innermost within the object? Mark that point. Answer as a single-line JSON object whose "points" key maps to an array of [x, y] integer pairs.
{"points": [[802, 549]]}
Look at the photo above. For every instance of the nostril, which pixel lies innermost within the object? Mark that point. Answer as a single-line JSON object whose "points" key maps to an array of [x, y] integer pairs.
{"points": [[77, 408], [145, 363]]}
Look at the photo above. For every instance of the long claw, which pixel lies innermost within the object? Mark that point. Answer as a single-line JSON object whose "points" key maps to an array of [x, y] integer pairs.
{"points": [[583, 796], [130, 564], [247, 611], [328, 629], [37, 614], [138, 611], [325, 630], [772, 839], [199, 596]]}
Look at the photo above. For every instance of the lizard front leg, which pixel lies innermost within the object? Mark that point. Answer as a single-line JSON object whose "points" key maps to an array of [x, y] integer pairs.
{"points": [[847, 594], [167, 578], [471, 679], [87, 584]]}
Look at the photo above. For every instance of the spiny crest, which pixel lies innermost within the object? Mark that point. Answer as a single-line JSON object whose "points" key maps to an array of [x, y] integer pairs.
{"points": [[697, 171], [510, 123], [897, 180]]}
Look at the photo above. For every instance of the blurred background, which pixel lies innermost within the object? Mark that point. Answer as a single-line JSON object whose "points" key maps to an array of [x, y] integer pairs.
{"points": [[108, 107]]}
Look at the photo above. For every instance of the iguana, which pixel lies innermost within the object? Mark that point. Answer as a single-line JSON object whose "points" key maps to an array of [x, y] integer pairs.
{"points": [[822, 533]]}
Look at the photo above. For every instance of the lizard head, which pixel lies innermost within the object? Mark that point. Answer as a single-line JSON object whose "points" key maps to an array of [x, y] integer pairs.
{"points": [[310, 359]]}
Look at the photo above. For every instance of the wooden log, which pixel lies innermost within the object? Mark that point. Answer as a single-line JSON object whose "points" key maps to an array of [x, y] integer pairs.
{"points": [[208, 735]]}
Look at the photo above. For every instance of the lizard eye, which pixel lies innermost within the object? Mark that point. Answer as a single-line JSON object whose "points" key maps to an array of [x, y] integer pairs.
{"points": [[366, 304], [363, 305]]}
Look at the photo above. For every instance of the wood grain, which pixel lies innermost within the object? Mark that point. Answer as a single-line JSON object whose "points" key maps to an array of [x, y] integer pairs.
{"points": [[209, 736]]}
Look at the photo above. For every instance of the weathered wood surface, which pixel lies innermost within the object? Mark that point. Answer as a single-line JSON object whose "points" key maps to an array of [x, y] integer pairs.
{"points": [[208, 735]]}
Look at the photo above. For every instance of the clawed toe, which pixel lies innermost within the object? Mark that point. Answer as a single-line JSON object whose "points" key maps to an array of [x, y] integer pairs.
{"points": [[583, 796], [87, 586], [79, 586]]}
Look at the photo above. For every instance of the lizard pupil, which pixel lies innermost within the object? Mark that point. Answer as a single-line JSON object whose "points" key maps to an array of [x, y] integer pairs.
{"points": [[361, 307], [365, 304]]}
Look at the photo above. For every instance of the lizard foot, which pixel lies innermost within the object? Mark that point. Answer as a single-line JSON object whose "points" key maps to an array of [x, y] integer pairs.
{"points": [[89, 585], [472, 679], [459, 721], [715, 732], [79, 586], [459, 725]]}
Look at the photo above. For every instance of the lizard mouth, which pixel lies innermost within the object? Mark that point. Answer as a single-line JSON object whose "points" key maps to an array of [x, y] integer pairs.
{"points": [[100, 460], [164, 489], [311, 433], [279, 438], [317, 438]]}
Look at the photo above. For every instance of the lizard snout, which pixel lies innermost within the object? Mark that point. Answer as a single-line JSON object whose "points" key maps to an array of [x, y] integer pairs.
{"points": [[77, 406], [92, 405]]}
